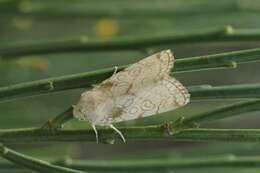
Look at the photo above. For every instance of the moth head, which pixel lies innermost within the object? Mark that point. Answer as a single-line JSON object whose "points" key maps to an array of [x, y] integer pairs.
{"points": [[86, 109]]}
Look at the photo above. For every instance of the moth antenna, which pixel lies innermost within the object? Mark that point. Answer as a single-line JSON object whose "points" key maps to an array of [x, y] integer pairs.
{"points": [[115, 71], [96, 133], [121, 135]]}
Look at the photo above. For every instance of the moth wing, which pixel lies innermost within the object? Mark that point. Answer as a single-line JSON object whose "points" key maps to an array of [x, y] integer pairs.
{"points": [[166, 95], [139, 75]]}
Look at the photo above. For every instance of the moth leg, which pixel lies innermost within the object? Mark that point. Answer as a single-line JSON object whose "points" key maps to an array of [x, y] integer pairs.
{"points": [[95, 130], [121, 135]]}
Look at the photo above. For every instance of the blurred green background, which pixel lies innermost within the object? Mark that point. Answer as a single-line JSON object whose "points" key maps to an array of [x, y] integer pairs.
{"points": [[36, 20]]}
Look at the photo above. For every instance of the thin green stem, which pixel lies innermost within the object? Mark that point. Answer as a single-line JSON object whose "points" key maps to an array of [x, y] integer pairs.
{"points": [[156, 164], [125, 43], [87, 79], [155, 132], [160, 164], [219, 113], [165, 164], [59, 120], [33, 163], [234, 109], [38, 87], [103, 8], [226, 91]]}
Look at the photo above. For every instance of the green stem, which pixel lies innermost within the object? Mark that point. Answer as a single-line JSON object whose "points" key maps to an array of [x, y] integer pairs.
{"points": [[32, 163], [154, 132], [59, 120], [160, 164], [226, 91], [103, 8], [125, 43], [192, 121], [165, 164], [87, 79], [219, 113]]}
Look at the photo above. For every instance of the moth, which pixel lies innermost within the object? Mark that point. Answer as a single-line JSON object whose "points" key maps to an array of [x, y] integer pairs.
{"points": [[140, 90]]}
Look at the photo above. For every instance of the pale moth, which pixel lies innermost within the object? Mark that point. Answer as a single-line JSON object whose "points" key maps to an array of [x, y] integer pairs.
{"points": [[143, 89]]}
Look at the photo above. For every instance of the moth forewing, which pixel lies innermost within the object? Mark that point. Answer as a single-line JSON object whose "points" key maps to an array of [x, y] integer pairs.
{"points": [[143, 89]]}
